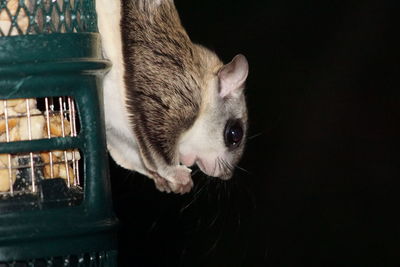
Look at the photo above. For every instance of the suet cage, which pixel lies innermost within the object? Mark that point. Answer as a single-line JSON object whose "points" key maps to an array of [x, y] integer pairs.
{"points": [[55, 203]]}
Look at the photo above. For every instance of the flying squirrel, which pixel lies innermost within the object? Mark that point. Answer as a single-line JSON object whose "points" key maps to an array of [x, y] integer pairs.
{"points": [[169, 103]]}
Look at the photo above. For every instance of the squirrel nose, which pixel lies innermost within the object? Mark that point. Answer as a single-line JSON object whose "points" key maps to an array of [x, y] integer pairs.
{"points": [[207, 167]]}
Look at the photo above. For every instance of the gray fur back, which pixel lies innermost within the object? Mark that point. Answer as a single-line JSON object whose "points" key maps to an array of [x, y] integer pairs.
{"points": [[162, 70]]}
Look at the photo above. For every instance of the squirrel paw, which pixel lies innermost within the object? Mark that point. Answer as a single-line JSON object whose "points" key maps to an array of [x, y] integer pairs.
{"points": [[179, 181]]}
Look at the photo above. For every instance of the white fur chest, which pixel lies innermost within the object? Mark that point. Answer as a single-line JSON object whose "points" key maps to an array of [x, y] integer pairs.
{"points": [[121, 141]]}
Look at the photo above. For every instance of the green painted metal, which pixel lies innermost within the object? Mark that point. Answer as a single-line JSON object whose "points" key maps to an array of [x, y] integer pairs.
{"points": [[50, 16], [61, 64]]}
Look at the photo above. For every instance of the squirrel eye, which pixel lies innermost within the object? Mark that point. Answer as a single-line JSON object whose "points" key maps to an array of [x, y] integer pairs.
{"points": [[233, 133]]}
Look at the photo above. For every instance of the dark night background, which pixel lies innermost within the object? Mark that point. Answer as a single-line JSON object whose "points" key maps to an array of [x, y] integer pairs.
{"points": [[323, 159]]}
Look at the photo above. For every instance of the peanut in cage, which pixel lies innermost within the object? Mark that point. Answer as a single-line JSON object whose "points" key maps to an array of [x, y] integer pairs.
{"points": [[29, 119]]}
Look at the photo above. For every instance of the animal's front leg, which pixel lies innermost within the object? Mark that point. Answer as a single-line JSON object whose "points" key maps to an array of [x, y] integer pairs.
{"points": [[175, 179]]}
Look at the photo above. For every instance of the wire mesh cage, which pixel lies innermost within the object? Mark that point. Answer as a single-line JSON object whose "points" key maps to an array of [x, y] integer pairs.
{"points": [[81, 260], [23, 174], [19, 17], [55, 207]]}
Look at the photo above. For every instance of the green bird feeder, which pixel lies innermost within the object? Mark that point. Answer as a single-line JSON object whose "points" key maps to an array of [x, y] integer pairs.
{"points": [[55, 198]]}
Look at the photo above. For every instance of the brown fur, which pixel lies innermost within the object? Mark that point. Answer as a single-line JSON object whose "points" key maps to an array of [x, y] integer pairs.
{"points": [[164, 76]]}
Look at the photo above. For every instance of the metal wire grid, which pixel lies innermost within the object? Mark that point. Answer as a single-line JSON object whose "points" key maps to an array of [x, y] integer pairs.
{"points": [[21, 17], [59, 119], [92, 259]]}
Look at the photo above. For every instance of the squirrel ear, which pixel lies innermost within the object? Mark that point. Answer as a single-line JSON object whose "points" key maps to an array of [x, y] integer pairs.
{"points": [[232, 76]]}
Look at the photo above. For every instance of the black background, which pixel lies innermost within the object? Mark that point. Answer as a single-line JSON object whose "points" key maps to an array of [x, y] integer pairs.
{"points": [[322, 165]]}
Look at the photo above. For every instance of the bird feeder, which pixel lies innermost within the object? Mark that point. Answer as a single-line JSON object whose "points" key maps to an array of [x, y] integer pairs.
{"points": [[55, 202]]}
